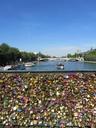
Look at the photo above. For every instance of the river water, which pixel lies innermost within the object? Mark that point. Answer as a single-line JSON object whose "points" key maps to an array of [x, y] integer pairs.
{"points": [[68, 66]]}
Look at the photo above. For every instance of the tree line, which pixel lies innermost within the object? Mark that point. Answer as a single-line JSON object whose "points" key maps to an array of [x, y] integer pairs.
{"points": [[88, 55], [12, 55]]}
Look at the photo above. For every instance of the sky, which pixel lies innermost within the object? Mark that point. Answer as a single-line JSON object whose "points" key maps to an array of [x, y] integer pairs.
{"points": [[53, 27]]}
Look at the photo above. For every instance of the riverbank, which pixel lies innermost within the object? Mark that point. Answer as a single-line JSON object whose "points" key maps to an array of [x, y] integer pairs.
{"points": [[93, 62]]}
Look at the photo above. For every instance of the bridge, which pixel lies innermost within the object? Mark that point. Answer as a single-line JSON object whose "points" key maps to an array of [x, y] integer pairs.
{"points": [[66, 59]]}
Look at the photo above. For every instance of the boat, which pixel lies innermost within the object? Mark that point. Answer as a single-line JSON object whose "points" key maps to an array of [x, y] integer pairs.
{"points": [[29, 64], [18, 67], [60, 66], [7, 67], [1, 68]]}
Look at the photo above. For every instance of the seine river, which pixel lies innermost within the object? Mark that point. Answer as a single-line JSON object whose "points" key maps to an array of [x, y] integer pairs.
{"points": [[68, 66]]}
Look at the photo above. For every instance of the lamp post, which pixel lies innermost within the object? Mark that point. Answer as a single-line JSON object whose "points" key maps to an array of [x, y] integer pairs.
{"points": [[37, 55], [20, 60]]}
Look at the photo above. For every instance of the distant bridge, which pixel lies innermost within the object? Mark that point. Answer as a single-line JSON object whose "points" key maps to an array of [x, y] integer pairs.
{"points": [[66, 59]]}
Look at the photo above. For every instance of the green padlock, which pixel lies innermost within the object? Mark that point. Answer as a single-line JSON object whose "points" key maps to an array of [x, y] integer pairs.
{"points": [[6, 102]]}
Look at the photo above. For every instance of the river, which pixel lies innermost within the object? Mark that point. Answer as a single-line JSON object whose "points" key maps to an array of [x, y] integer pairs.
{"points": [[68, 66]]}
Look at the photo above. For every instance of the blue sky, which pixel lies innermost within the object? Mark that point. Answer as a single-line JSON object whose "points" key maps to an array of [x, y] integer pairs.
{"points": [[54, 27]]}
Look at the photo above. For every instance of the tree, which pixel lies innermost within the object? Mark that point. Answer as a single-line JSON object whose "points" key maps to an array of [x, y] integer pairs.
{"points": [[12, 55], [4, 53]]}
